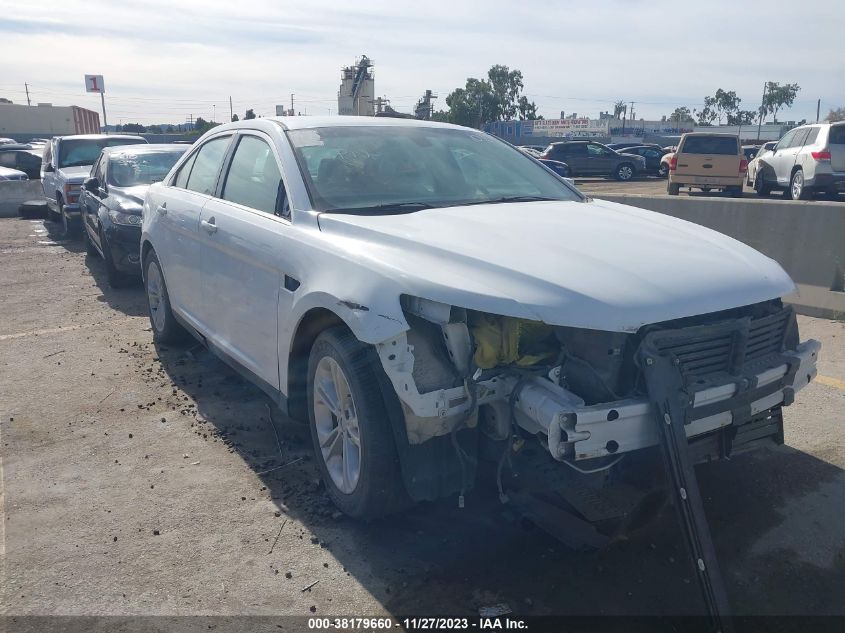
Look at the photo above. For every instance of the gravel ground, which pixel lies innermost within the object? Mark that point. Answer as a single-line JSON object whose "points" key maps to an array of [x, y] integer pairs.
{"points": [[144, 480]]}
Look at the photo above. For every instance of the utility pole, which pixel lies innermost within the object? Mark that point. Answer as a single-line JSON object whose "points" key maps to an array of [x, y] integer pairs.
{"points": [[632, 114], [28, 102], [231, 112], [818, 109], [291, 104], [103, 102], [214, 112], [762, 106], [480, 121]]}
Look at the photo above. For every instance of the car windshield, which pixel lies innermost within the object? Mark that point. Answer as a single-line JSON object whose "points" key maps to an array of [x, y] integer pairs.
{"points": [[709, 145], [128, 169], [84, 151], [394, 169]]}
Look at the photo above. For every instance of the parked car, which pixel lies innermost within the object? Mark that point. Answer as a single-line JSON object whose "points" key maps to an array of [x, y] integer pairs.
{"points": [[624, 146], [538, 149], [65, 164], [808, 159], [750, 151], [111, 199], [588, 158], [7, 173], [754, 162], [531, 151], [420, 294], [561, 169], [22, 159], [653, 155], [707, 161], [6, 141]]}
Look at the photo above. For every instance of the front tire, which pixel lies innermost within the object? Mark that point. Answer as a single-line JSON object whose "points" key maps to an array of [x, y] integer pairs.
{"points": [[166, 329], [90, 249], [116, 278], [350, 427], [760, 185], [624, 172]]}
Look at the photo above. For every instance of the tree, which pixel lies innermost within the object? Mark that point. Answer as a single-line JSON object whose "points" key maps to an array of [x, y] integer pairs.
{"points": [[777, 97], [836, 115], [742, 117], [707, 115], [249, 115], [619, 108], [154, 129], [135, 128], [681, 114], [169, 129], [200, 124], [497, 98], [234, 118]]}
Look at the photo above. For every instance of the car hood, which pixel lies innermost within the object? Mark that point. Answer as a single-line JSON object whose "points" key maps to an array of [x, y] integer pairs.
{"points": [[595, 264], [130, 198], [75, 174]]}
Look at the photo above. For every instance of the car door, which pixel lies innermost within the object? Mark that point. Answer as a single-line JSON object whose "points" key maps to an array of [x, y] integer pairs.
{"points": [[600, 159], [48, 174], [179, 215], [575, 155], [781, 160], [90, 201], [245, 235]]}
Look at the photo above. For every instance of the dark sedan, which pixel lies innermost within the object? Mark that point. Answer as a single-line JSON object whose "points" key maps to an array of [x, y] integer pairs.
{"points": [[652, 155], [111, 199], [561, 169], [23, 158]]}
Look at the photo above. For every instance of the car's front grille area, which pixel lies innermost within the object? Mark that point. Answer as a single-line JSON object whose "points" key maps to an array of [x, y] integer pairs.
{"points": [[726, 346]]}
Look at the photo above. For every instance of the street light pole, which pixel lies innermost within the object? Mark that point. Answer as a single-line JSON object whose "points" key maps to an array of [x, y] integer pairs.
{"points": [[762, 105]]}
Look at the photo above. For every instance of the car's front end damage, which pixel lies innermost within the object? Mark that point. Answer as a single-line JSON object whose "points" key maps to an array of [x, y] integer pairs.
{"points": [[582, 394]]}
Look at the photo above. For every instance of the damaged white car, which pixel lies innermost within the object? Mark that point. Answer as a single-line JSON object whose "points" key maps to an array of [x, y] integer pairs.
{"points": [[429, 299]]}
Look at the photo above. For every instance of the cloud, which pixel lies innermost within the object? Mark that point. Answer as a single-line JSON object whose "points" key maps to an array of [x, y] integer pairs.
{"points": [[166, 61]]}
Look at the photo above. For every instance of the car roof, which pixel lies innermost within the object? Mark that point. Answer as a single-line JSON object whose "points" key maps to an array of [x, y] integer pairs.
{"points": [[710, 134], [312, 122], [150, 148], [74, 137]]}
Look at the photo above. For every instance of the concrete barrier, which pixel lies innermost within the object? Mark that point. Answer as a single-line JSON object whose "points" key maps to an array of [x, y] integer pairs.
{"points": [[806, 238], [15, 192]]}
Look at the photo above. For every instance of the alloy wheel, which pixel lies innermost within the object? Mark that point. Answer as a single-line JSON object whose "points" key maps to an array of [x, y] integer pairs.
{"points": [[154, 297], [797, 185], [336, 422]]}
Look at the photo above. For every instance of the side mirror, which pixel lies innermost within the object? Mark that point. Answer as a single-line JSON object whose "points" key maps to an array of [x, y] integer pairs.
{"points": [[49, 168], [91, 184]]}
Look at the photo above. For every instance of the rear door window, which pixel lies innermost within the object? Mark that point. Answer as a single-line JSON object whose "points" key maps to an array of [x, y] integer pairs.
{"points": [[207, 164], [812, 136], [800, 136], [576, 149], [721, 145]]}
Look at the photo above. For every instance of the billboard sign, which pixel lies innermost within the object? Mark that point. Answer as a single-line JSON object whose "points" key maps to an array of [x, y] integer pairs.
{"points": [[94, 83], [567, 128]]}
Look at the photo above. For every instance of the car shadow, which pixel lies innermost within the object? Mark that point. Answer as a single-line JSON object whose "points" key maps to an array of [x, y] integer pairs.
{"points": [[435, 558], [128, 299]]}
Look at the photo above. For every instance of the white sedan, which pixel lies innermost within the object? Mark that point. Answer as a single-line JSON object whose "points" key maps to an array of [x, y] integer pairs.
{"points": [[426, 297], [754, 163]]}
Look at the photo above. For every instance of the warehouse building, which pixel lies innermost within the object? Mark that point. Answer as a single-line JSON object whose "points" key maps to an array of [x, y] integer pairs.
{"points": [[22, 122]]}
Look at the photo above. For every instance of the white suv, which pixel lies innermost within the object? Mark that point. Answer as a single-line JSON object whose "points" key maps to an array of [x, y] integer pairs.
{"points": [[426, 296], [808, 159]]}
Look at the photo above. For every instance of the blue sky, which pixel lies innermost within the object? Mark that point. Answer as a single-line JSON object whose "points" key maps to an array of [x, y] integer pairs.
{"points": [[166, 60]]}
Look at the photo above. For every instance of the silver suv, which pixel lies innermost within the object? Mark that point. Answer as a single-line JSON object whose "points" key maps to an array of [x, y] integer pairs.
{"points": [[808, 159]]}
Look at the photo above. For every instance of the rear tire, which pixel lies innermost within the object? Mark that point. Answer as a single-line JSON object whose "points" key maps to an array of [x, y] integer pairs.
{"points": [[345, 404], [673, 188], [166, 329]]}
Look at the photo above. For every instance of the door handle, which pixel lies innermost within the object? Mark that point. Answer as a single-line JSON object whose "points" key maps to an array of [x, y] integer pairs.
{"points": [[162, 209], [209, 225]]}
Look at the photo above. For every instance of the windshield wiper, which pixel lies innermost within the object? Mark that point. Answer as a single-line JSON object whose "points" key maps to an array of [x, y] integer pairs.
{"points": [[387, 207], [511, 199]]}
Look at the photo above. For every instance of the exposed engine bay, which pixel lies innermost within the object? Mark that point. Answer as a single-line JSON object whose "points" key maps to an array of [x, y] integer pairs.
{"points": [[580, 392]]}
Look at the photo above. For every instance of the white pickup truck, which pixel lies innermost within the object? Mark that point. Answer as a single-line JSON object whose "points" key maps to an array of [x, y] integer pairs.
{"points": [[66, 163]]}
